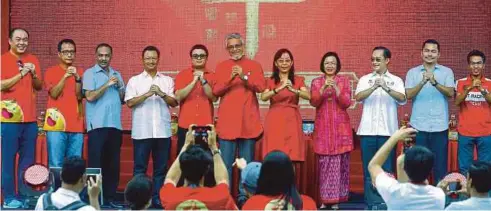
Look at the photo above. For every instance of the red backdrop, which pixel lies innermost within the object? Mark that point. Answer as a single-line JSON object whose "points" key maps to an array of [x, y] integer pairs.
{"points": [[307, 27]]}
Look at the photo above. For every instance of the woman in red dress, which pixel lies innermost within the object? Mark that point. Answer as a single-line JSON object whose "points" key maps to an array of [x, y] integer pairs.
{"points": [[283, 125]]}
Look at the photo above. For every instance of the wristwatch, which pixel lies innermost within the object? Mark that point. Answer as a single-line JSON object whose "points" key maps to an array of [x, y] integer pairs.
{"points": [[434, 84], [204, 82], [216, 151], [245, 78], [78, 81], [388, 90]]}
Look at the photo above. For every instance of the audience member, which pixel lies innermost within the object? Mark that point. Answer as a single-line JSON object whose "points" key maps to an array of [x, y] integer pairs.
{"points": [[276, 189], [415, 194], [194, 162], [73, 181], [138, 192]]}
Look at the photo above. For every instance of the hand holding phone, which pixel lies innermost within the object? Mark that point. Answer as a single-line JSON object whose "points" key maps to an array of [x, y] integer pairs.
{"points": [[201, 134]]}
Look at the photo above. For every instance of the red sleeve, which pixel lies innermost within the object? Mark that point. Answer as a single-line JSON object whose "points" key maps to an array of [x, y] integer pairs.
{"points": [[37, 66], [179, 81], [254, 203], [222, 82], [256, 80], [300, 81], [166, 193], [344, 98], [308, 203], [460, 87], [49, 79], [315, 95]]}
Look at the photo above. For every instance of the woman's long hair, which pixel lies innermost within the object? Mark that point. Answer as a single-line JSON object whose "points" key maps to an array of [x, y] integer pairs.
{"points": [[277, 178], [276, 70]]}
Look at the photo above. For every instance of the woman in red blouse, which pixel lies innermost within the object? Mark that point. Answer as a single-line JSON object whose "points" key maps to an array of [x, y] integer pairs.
{"points": [[331, 96], [283, 124]]}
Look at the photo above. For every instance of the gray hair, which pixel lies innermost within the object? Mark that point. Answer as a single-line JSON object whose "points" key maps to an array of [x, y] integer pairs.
{"points": [[234, 35]]}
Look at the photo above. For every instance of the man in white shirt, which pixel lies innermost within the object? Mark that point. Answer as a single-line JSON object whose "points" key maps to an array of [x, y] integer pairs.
{"points": [[73, 181], [478, 186], [380, 92], [415, 194], [149, 95]]}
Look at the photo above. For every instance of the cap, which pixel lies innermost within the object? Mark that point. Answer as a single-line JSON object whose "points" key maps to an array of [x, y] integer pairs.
{"points": [[250, 175]]}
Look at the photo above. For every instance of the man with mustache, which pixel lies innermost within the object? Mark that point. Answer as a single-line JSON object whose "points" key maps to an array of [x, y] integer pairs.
{"points": [[238, 79], [65, 127], [103, 87], [20, 79], [429, 86], [474, 100], [149, 96], [380, 92]]}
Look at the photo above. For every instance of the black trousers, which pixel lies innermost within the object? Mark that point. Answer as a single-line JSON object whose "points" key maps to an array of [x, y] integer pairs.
{"points": [[104, 152]]}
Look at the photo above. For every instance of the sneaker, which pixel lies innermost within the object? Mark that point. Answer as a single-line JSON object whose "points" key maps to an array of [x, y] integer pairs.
{"points": [[13, 204]]}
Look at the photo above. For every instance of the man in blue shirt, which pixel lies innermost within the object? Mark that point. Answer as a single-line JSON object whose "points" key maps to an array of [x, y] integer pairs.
{"points": [[104, 89], [429, 86]]}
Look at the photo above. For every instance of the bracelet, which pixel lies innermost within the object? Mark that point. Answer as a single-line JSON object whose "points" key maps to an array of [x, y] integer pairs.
{"points": [[274, 91], [204, 82], [298, 92]]}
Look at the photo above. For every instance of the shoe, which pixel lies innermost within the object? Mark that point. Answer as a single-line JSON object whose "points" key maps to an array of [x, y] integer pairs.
{"points": [[113, 205], [13, 204]]}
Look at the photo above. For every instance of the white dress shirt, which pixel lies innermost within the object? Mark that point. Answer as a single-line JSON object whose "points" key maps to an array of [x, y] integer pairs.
{"points": [[61, 198], [379, 117], [151, 118], [408, 196]]}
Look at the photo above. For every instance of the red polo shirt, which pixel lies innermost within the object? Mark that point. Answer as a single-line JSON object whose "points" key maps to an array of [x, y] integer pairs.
{"points": [[196, 108], [19, 102], [238, 114], [64, 113], [475, 112]]}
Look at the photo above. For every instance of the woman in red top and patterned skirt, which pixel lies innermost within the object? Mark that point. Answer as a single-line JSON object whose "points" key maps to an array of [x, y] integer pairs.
{"points": [[333, 136], [283, 124]]}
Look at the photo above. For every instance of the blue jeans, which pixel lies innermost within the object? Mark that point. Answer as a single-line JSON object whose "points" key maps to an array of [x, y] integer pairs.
{"points": [[246, 148], [369, 146], [17, 138], [437, 142], [160, 149], [465, 153], [63, 144]]}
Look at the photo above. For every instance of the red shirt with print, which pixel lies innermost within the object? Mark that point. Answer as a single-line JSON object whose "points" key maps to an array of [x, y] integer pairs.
{"points": [[475, 112], [202, 198], [19, 102]]}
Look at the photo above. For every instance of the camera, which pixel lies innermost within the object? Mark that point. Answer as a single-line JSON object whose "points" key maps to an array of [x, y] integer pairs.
{"points": [[201, 134]]}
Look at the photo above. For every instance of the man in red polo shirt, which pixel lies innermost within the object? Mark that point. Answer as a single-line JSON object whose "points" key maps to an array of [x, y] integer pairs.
{"points": [[238, 79], [20, 76], [64, 121], [194, 93], [474, 100]]}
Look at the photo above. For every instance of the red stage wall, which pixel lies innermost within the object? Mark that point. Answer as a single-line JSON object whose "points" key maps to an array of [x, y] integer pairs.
{"points": [[309, 28]]}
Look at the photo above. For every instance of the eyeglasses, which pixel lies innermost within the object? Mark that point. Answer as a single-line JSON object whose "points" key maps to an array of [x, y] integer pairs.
{"points": [[66, 53], [476, 63], [236, 46], [199, 56]]}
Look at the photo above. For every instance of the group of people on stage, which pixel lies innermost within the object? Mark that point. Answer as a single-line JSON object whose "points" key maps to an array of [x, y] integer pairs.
{"points": [[235, 82]]}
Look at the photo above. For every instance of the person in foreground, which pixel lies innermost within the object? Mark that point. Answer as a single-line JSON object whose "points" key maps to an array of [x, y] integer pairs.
{"points": [[73, 181], [276, 189], [138, 192], [478, 186], [193, 163], [415, 194]]}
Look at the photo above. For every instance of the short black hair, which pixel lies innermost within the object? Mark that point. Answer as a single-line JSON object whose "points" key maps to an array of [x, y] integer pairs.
{"points": [[104, 45], [72, 170], [138, 192], [480, 173], [11, 34], [387, 53], [198, 46], [418, 163], [338, 61], [431, 41], [63, 41], [151, 48], [476, 53], [195, 162]]}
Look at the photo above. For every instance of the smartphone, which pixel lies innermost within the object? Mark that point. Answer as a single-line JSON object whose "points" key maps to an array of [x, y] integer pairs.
{"points": [[93, 176], [454, 186], [201, 134]]}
